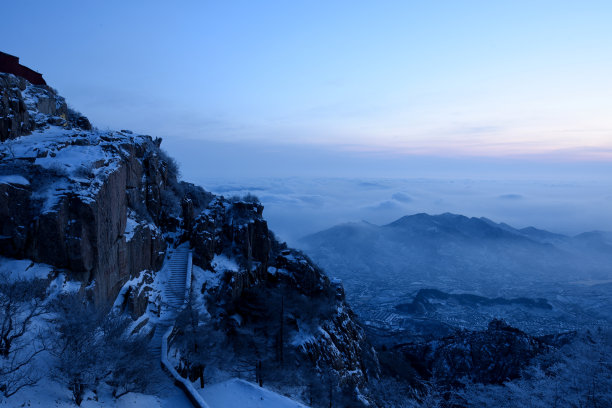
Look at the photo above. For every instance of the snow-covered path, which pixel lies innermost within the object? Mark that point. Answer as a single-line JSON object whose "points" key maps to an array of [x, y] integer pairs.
{"points": [[178, 270]]}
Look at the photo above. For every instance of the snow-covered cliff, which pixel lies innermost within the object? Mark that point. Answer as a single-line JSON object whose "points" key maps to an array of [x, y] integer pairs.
{"points": [[104, 207]]}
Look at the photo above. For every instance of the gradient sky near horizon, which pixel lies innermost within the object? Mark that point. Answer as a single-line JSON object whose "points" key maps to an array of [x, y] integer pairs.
{"points": [[492, 79]]}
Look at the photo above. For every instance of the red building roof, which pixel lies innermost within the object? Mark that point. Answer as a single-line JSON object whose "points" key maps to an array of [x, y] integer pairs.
{"points": [[10, 64]]}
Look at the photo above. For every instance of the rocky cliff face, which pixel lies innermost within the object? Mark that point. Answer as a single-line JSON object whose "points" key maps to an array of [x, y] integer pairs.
{"points": [[84, 201], [269, 277], [94, 203], [104, 206], [25, 107]]}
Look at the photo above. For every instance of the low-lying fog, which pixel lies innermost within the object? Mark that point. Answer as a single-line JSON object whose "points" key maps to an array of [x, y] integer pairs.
{"points": [[306, 189], [299, 206]]}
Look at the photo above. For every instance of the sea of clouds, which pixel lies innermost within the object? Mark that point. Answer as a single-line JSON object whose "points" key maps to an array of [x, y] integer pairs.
{"points": [[306, 189], [297, 206]]}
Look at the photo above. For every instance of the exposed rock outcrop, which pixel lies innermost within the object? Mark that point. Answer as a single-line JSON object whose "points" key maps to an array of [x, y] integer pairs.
{"points": [[74, 214], [492, 356], [25, 107], [91, 202], [268, 270]]}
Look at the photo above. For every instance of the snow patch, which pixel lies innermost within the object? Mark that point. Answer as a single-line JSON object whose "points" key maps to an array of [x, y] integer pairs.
{"points": [[302, 337], [222, 263], [16, 269], [237, 318], [201, 276], [132, 283], [62, 285], [130, 227], [14, 179], [50, 393], [237, 393]]}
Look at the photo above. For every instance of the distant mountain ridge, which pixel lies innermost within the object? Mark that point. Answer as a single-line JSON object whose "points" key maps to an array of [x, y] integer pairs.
{"points": [[471, 252], [454, 224], [484, 227]]}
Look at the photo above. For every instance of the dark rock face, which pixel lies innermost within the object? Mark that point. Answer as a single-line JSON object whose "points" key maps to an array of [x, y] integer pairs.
{"points": [[342, 346], [15, 120], [14, 215], [239, 230], [268, 269], [25, 107], [78, 221], [493, 356], [83, 123], [237, 227]]}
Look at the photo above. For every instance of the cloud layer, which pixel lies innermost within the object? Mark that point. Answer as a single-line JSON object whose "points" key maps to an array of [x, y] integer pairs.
{"points": [[298, 206]]}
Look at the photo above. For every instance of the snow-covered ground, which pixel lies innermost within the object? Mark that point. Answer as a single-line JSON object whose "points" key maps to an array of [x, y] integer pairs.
{"points": [[23, 269], [49, 393], [234, 393], [237, 393]]}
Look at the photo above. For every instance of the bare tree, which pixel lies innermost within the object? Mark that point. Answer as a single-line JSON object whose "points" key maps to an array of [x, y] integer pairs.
{"points": [[196, 337], [76, 322], [127, 365], [21, 302], [93, 346]]}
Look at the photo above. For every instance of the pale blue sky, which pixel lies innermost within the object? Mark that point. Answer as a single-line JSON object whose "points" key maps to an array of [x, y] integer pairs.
{"points": [[433, 78]]}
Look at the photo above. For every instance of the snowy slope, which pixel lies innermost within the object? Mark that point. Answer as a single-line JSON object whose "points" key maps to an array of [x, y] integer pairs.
{"points": [[237, 393], [49, 393], [23, 269]]}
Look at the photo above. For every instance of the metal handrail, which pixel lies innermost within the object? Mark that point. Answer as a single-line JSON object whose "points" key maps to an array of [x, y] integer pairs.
{"points": [[188, 278], [184, 384]]}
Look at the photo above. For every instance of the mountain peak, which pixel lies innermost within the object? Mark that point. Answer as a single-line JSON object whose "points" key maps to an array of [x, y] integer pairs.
{"points": [[454, 224]]}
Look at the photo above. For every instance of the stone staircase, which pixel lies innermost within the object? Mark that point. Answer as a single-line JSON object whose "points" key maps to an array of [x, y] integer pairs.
{"points": [[173, 295], [178, 270]]}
